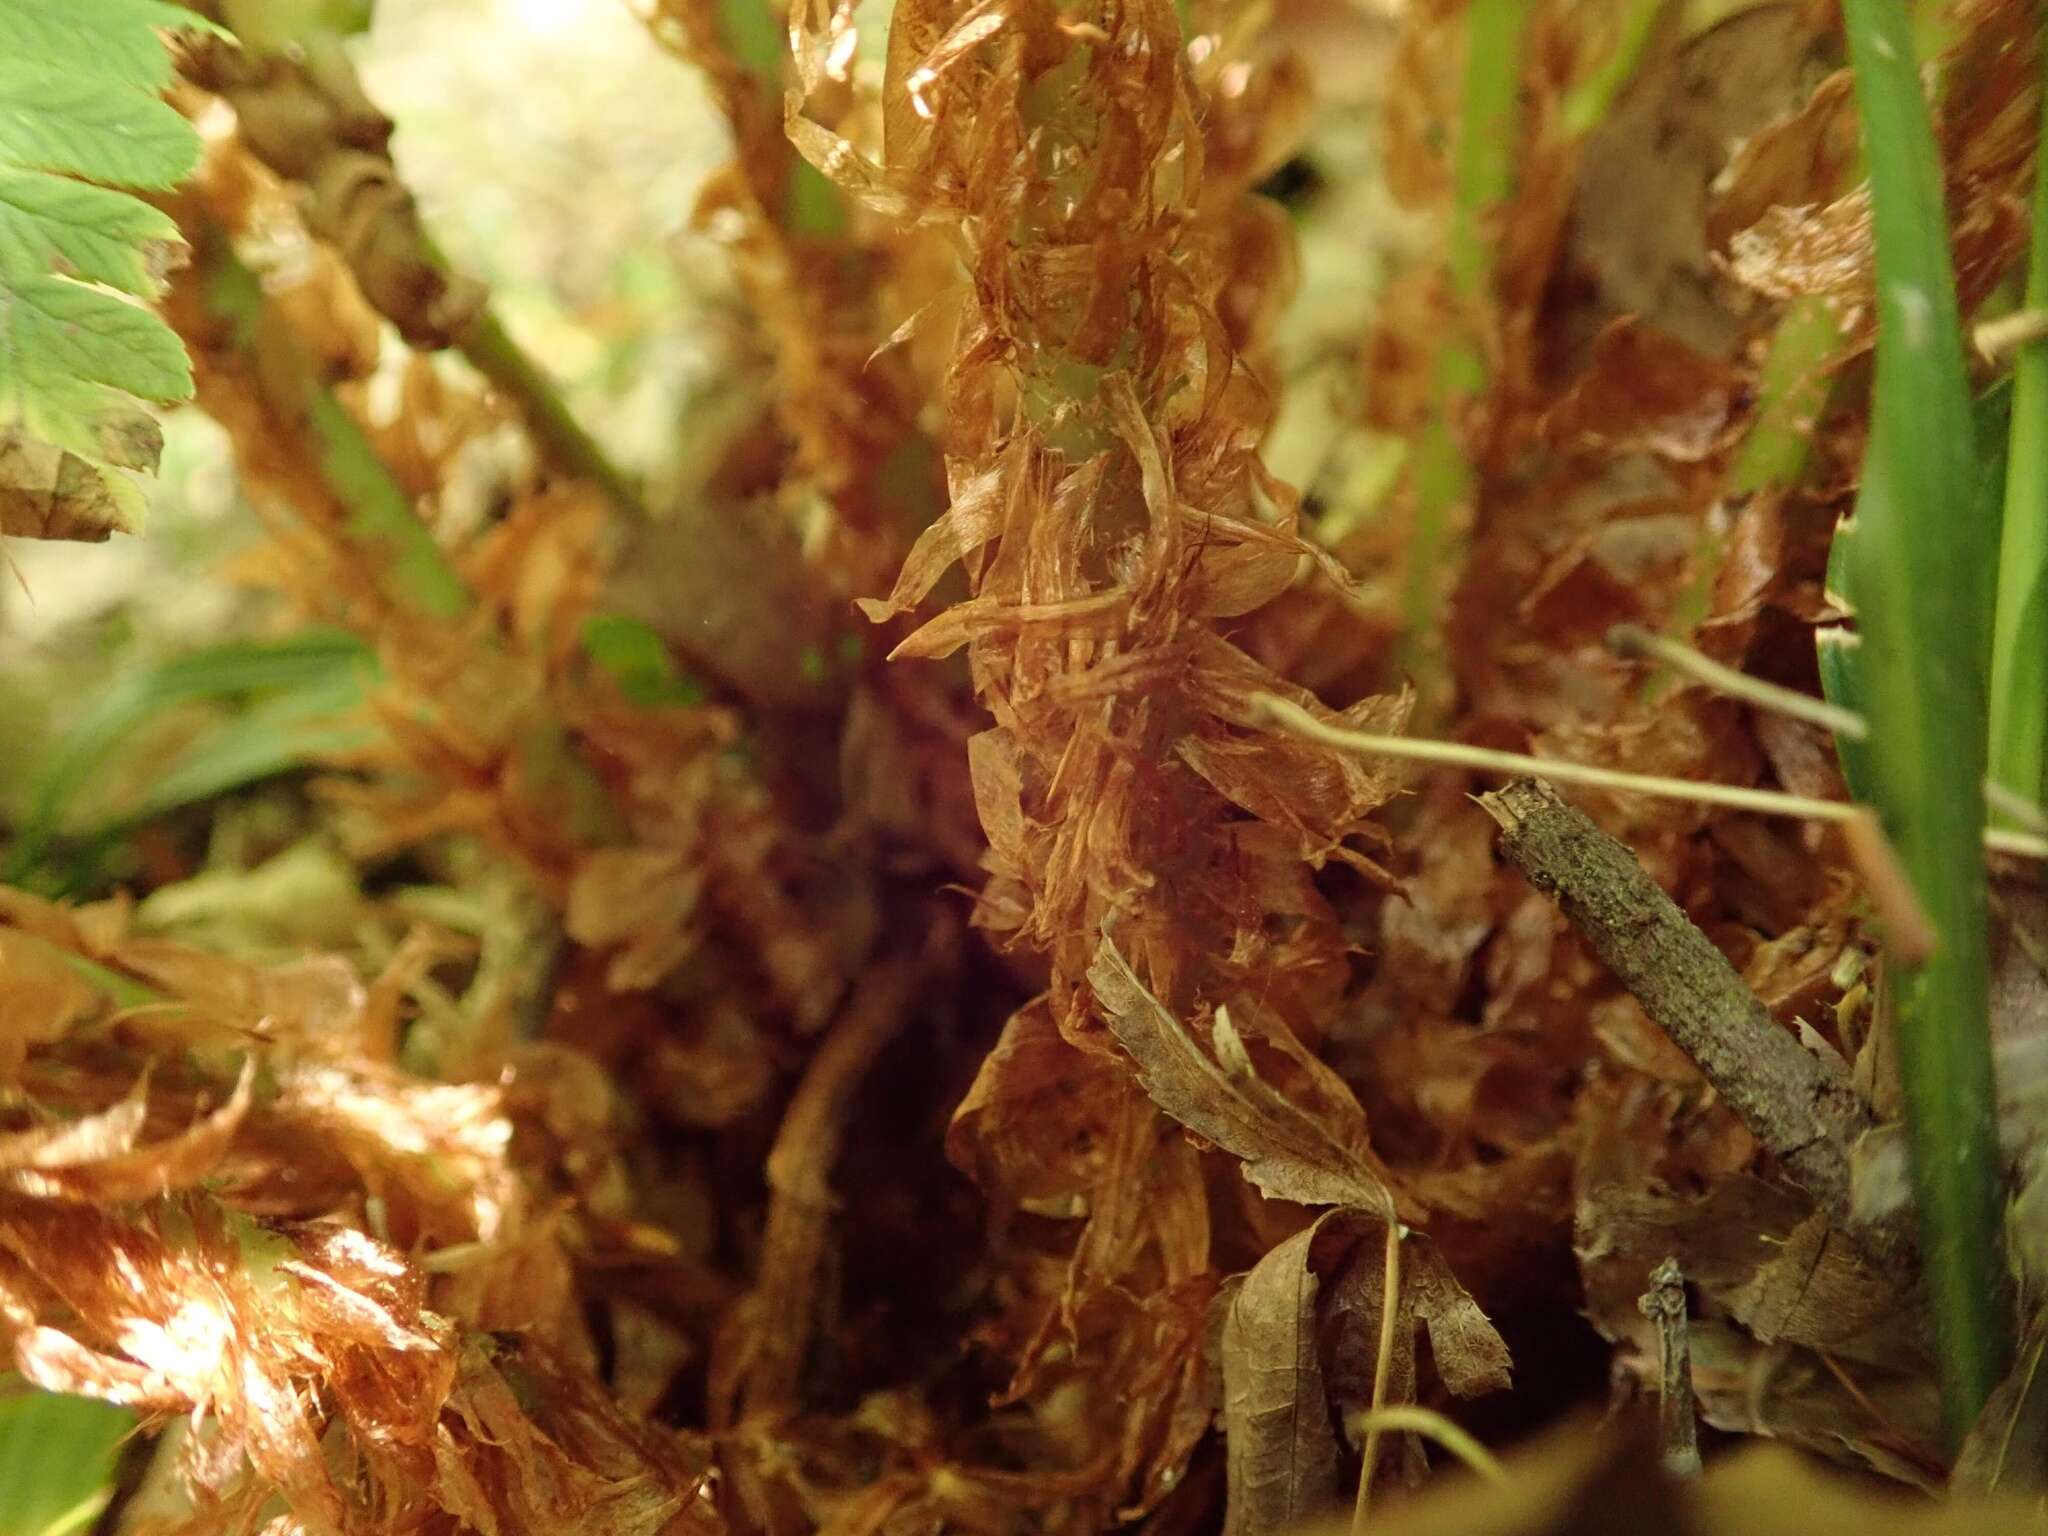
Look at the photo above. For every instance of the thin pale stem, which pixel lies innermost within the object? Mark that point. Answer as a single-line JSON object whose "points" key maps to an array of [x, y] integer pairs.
{"points": [[1636, 643], [1412, 1419], [1998, 340], [1382, 1370], [1452, 754], [1632, 641]]}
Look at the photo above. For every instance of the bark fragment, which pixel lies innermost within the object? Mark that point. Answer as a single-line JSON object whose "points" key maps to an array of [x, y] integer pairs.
{"points": [[1804, 1112]]}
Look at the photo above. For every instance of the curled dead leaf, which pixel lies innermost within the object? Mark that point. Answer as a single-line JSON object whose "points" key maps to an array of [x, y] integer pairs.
{"points": [[1317, 1155], [46, 493], [1300, 1344], [1279, 1436], [102, 1157]]}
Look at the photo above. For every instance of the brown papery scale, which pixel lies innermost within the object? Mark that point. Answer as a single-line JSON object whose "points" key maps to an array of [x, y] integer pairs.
{"points": [[1107, 499]]}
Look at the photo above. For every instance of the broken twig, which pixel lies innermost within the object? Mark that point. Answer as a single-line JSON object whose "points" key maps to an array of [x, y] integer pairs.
{"points": [[1677, 1431], [1803, 1111]]}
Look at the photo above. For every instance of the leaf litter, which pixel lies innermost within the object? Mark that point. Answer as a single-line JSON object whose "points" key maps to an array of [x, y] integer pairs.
{"points": [[990, 1081]]}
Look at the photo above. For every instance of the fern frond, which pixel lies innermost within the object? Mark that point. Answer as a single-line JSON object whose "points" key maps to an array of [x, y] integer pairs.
{"points": [[82, 121]]}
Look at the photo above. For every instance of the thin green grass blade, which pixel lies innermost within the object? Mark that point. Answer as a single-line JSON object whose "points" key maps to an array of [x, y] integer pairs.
{"points": [[2019, 637], [1841, 665], [277, 735], [1483, 172], [1587, 103], [756, 36], [1920, 575], [305, 687], [1792, 391]]}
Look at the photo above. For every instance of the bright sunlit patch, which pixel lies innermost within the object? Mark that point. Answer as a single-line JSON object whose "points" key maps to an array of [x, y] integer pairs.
{"points": [[960, 43], [189, 1347], [216, 120], [550, 18], [845, 42]]}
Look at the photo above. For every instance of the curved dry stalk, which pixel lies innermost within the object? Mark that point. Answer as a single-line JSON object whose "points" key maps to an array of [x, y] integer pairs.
{"points": [[1376, 1419], [1412, 1419], [1451, 754], [1635, 642], [307, 118], [784, 1303]]}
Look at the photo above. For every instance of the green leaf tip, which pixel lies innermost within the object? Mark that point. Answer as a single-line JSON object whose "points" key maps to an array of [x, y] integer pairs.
{"points": [[82, 124]]}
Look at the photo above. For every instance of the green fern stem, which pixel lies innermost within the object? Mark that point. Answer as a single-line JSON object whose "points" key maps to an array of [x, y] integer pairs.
{"points": [[1482, 174], [560, 437], [1792, 391], [378, 509]]}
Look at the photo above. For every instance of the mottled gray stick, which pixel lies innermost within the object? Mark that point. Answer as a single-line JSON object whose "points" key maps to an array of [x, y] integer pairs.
{"points": [[1799, 1107]]}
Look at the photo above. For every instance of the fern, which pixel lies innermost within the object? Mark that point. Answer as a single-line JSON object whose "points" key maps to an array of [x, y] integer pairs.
{"points": [[82, 120]]}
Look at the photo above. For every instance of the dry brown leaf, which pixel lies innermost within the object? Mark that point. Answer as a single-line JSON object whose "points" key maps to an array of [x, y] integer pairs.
{"points": [[1058, 208], [529, 1445], [1798, 1335], [1645, 391], [101, 1157], [1822, 244], [1288, 1151], [643, 904], [1280, 1442], [1757, 1252], [1300, 1342], [2006, 1450], [1469, 1353], [1032, 1129], [46, 493], [41, 997], [300, 1340], [1470, 1357], [1820, 1291], [1795, 162], [1647, 173]]}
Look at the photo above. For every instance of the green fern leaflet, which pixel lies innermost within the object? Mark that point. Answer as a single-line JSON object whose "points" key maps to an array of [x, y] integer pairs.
{"points": [[82, 119]]}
